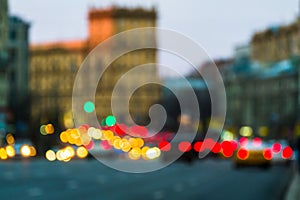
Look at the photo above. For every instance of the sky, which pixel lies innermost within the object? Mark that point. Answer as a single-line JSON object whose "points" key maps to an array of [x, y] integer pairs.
{"points": [[219, 26]]}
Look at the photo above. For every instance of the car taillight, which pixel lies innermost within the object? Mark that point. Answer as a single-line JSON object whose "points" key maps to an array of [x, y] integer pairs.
{"points": [[197, 146], [276, 148], [267, 153], [243, 141], [227, 148], [243, 154], [287, 152], [184, 146], [216, 148], [164, 146], [257, 142]]}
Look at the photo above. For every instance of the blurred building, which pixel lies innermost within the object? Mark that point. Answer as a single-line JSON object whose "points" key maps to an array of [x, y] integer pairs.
{"points": [[4, 86], [263, 91], [104, 23], [276, 43], [53, 67], [3, 29], [18, 65], [14, 53]]}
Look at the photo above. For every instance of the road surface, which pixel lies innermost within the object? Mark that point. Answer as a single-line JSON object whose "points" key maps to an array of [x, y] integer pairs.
{"points": [[89, 179]]}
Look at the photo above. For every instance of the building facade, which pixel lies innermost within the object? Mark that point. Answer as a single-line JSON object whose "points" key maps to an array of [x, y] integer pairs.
{"points": [[263, 87], [53, 67], [276, 43], [111, 21], [18, 65], [4, 86], [3, 30]]}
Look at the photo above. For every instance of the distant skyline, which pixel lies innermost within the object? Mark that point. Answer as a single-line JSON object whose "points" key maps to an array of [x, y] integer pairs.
{"points": [[218, 26]]}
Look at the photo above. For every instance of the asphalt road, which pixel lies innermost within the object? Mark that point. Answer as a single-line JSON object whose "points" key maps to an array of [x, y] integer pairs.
{"points": [[89, 179]]}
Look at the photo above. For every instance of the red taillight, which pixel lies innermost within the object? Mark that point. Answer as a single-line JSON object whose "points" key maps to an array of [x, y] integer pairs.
{"points": [[243, 154], [243, 141], [227, 148], [105, 145], [267, 153], [120, 129], [276, 148], [90, 145], [197, 146], [164, 146], [184, 146], [287, 152], [234, 145], [216, 148], [208, 143], [257, 142]]}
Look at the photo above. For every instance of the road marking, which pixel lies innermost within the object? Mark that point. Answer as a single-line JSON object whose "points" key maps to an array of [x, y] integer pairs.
{"points": [[35, 192]]}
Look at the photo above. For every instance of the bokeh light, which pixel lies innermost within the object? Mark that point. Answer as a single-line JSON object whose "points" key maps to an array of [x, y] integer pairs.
{"points": [[135, 153], [25, 150], [246, 131], [197, 146], [105, 145], [50, 155], [43, 130], [90, 145], [110, 120], [10, 139], [227, 148], [287, 152], [243, 154], [81, 152], [276, 147], [164, 146], [257, 142], [32, 151], [267, 153], [243, 141], [153, 153], [217, 148], [10, 151], [3, 154], [184, 146], [49, 129], [89, 107]]}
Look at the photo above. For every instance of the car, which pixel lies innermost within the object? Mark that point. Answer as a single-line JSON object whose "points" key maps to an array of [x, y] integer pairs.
{"points": [[178, 147], [252, 153], [282, 152], [188, 149]]}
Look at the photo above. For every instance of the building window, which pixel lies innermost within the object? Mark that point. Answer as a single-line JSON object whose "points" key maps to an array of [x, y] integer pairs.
{"points": [[12, 35]]}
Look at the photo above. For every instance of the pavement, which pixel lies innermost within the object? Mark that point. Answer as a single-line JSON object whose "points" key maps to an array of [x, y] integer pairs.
{"points": [[293, 191], [89, 179]]}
